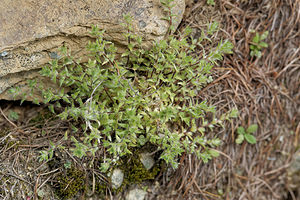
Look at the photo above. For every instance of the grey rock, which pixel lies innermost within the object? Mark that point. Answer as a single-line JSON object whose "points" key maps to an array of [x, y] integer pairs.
{"points": [[31, 31], [147, 160], [117, 178], [293, 172], [136, 194]]}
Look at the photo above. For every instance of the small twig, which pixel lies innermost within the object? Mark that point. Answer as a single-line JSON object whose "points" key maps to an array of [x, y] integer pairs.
{"points": [[17, 177], [105, 89], [14, 125], [69, 184], [277, 170], [50, 172], [269, 187], [43, 183], [71, 157], [242, 186], [4, 138], [220, 152], [36, 187]]}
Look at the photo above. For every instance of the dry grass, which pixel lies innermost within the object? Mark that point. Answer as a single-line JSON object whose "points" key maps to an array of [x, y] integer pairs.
{"points": [[266, 91]]}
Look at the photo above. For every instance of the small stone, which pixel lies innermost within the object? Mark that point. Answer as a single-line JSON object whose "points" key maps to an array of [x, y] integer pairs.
{"points": [[117, 178], [147, 160], [136, 194], [142, 24], [3, 54], [295, 165], [293, 173], [54, 55]]}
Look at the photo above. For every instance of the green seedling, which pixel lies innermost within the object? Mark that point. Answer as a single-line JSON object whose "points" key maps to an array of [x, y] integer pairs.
{"points": [[14, 116], [246, 134], [211, 2], [257, 44]]}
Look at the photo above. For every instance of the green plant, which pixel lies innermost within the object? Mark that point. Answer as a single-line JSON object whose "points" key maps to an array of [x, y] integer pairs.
{"points": [[167, 7], [246, 134], [142, 96], [257, 44], [210, 2], [13, 115], [47, 155]]}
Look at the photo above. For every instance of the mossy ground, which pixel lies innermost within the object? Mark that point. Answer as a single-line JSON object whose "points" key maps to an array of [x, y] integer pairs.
{"points": [[72, 181], [135, 172]]}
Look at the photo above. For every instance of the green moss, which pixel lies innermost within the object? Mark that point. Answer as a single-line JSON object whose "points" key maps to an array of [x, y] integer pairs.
{"points": [[3, 132], [14, 144], [9, 141], [135, 172], [70, 183], [101, 188]]}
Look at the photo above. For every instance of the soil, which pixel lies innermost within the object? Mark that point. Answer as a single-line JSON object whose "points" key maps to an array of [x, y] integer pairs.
{"points": [[265, 90]]}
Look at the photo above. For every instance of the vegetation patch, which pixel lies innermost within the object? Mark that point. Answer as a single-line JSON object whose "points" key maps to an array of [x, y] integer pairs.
{"points": [[70, 183], [134, 170], [264, 90], [144, 96], [119, 103]]}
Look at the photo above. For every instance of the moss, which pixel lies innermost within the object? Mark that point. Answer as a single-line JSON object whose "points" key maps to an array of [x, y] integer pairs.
{"points": [[135, 172], [14, 144], [9, 141], [70, 183], [101, 188], [4, 132]]}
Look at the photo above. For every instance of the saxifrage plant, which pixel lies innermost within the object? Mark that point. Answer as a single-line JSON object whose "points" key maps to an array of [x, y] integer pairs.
{"points": [[142, 96]]}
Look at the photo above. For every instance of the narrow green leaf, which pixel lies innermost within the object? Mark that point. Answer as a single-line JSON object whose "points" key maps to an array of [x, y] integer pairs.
{"points": [[213, 153]]}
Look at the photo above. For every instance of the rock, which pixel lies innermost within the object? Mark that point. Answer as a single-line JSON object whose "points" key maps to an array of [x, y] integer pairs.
{"points": [[293, 173], [147, 160], [31, 31], [117, 178], [136, 194]]}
